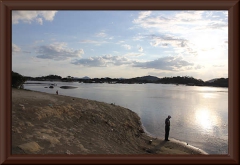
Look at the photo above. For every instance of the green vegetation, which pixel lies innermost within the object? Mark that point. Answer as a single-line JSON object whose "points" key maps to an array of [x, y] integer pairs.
{"points": [[181, 80], [178, 80], [17, 80], [221, 82], [45, 78]]}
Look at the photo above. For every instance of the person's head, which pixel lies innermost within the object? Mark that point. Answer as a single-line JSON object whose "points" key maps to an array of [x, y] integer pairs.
{"points": [[169, 116]]}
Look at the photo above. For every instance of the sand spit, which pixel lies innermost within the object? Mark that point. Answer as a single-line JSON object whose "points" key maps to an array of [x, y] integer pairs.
{"points": [[54, 124]]}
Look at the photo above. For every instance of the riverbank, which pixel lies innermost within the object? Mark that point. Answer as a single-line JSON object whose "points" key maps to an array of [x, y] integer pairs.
{"points": [[54, 124]]}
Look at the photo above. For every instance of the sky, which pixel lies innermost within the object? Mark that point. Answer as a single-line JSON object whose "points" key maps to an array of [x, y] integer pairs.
{"points": [[120, 44]]}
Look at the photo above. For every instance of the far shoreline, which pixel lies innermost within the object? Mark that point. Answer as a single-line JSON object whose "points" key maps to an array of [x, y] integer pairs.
{"points": [[125, 84]]}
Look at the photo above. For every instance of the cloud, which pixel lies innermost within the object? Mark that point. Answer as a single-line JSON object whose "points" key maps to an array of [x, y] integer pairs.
{"points": [[38, 41], [179, 22], [180, 45], [167, 40], [218, 66], [15, 48], [39, 20], [144, 14], [138, 37], [26, 52], [57, 51], [128, 47], [102, 61], [160, 21], [92, 42], [140, 49], [218, 25], [133, 54], [198, 67], [120, 42], [31, 16], [165, 63], [181, 30], [101, 34], [189, 16]]}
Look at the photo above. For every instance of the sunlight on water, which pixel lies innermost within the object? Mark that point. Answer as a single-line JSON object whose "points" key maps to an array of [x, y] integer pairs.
{"points": [[209, 95], [203, 119], [206, 119]]}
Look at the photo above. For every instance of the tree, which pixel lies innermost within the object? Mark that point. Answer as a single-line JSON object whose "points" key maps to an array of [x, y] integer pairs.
{"points": [[17, 80]]}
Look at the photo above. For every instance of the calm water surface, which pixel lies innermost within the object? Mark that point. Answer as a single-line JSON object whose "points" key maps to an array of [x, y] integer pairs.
{"points": [[199, 114]]}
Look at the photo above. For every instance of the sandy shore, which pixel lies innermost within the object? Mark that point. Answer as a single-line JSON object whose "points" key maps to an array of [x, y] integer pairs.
{"points": [[53, 124]]}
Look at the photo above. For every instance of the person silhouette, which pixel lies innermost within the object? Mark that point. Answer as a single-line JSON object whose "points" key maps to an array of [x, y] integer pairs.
{"points": [[167, 127]]}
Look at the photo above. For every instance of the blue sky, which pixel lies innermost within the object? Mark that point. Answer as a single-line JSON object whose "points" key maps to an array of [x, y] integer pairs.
{"points": [[122, 44]]}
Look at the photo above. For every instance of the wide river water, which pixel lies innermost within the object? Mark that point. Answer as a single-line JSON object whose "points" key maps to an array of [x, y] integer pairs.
{"points": [[199, 114]]}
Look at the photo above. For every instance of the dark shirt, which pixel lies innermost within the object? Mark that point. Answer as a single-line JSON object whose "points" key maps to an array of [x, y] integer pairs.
{"points": [[167, 122]]}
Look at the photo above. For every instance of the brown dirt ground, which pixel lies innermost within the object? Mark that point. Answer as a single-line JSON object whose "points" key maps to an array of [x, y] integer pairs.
{"points": [[54, 124]]}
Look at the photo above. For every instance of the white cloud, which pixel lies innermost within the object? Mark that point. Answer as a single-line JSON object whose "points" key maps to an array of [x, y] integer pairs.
{"points": [[39, 20], [15, 48], [218, 66], [38, 41], [140, 49], [126, 46], [189, 16], [93, 42], [144, 14], [58, 51], [217, 25], [138, 37], [180, 45], [48, 15], [180, 22], [101, 34], [165, 63], [102, 61], [182, 30], [31, 16], [198, 67], [133, 54], [120, 42]]}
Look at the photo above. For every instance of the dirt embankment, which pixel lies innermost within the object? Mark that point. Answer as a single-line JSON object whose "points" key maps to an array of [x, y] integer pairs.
{"points": [[54, 124]]}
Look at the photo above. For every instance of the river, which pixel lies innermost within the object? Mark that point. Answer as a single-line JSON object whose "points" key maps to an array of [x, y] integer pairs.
{"points": [[199, 114]]}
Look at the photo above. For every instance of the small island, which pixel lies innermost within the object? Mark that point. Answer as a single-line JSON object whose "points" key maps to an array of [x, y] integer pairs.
{"points": [[67, 87]]}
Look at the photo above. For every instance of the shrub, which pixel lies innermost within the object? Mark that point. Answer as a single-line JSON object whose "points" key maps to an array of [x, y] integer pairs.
{"points": [[17, 80]]}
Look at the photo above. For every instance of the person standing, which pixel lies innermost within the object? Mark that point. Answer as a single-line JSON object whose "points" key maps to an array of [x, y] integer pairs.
{"points": [[167, 127], [57, 92]]}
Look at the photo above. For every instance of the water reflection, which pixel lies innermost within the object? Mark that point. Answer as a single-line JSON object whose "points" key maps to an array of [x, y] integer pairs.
{"points": [[207, 120], [209, 95]]}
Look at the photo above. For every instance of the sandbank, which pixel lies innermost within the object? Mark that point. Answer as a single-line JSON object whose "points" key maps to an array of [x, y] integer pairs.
{"points": [[54, 124]]}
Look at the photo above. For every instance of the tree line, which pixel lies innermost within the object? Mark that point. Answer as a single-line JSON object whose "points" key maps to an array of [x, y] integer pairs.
{"points": [[18, 80]]}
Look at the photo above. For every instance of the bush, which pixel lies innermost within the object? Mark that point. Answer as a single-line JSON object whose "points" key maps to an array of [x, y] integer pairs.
{"points": [[17, 80]]}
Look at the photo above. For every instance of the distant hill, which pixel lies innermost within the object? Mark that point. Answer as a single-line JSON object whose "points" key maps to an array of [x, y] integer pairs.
{"points": [[147, 78], [86, 77], [210, 81], [217, 82]]}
